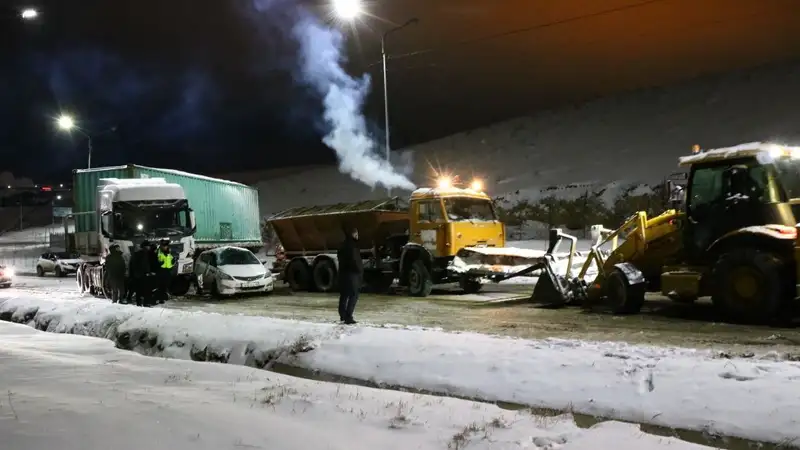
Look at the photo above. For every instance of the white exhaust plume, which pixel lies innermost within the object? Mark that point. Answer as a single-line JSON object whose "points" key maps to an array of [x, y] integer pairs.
{"points": [[343, 96]]}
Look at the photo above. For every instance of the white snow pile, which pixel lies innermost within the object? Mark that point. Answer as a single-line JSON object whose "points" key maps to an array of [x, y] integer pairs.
{"points": [[77, 393], [677, 388]]}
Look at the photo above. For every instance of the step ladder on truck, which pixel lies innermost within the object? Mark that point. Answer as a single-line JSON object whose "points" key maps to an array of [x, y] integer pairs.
{"points": [[733, 237]]}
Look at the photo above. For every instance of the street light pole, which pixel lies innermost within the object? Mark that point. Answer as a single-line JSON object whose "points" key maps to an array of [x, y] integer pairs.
{"points": [[89, 162], [387, 135]]}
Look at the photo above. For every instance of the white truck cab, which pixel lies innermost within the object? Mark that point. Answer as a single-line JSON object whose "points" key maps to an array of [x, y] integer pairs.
{"points": [[130, 211]]}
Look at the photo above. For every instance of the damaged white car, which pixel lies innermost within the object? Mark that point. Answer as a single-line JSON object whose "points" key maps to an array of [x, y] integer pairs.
{"points": [[227, 271]]}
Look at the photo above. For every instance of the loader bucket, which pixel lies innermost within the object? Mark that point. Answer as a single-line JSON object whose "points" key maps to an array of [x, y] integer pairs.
{"points": [[552, 289]]}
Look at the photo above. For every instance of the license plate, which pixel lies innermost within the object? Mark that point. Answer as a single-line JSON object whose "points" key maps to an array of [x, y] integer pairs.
{"points": [[187, 268]]}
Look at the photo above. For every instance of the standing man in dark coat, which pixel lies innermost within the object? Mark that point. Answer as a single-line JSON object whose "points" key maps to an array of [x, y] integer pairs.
{"points": [[115, 269], [351, 269], [140, 269]]}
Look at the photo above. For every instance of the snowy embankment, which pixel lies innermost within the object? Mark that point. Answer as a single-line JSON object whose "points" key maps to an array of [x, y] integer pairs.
{"points": [[678, 388], [77, 393]]}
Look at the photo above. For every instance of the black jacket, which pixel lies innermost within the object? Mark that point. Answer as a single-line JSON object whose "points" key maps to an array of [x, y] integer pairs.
{"points": [[349, 256], [140, 263], [115, 266]]}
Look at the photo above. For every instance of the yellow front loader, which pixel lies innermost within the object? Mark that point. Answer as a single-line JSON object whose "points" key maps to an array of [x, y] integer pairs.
{"points": [[733, 238]]}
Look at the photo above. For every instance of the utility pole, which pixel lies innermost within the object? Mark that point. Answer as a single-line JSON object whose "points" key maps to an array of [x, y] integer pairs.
{"points": [[412, 21]]}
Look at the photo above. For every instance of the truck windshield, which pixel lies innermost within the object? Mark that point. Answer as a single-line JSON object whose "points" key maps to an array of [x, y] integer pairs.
{"points": [[132, 219], [237, 256], [788, 172], [461, 209]]}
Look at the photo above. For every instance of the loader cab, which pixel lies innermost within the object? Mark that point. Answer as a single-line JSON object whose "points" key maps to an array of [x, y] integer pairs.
{"points": [[727, 194], [444, 220]]}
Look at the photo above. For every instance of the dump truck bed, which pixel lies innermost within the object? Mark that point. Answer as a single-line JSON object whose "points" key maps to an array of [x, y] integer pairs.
{"points": [[320, 229]]}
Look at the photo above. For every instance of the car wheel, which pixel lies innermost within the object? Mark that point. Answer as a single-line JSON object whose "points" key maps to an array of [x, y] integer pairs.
{"points": [[39, 271], [58, 272]]}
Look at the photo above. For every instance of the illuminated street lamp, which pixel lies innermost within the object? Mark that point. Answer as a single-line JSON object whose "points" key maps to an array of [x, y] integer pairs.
{"points": [[29, 14], [351, 10], [67, 123], [347, 9]]}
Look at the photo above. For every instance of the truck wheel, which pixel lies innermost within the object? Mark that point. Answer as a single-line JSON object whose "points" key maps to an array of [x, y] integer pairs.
{"points": [[624, 298], [420, 283], [748, 286], [324, 273], [79, 280], [470, 285], [297, 275], [39, 271]]}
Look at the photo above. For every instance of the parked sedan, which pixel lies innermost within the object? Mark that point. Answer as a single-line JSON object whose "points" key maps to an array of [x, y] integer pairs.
{"points": [[232, 270], [6, 276], [60, 264]]}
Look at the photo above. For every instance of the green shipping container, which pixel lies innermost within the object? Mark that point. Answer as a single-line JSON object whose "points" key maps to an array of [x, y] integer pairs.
{"points": [[226, 212]]}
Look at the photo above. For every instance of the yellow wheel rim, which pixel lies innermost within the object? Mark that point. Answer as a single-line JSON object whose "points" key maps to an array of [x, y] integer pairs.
{"points": [[745, 283]]}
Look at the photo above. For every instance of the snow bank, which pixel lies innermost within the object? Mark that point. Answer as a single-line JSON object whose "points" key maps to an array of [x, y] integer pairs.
{"points": [[680, 388], [106, 398]]}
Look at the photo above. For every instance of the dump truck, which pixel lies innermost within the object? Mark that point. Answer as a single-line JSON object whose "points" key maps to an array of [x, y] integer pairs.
{"points": [[440, 235], [130, 204], [733, 237]]}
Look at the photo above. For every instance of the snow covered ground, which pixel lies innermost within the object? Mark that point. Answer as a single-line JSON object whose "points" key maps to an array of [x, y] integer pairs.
{"points": [[78, 393], [681, 388]]}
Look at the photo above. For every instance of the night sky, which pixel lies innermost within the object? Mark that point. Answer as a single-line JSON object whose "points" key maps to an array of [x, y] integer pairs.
{"points": [[212, 86]]}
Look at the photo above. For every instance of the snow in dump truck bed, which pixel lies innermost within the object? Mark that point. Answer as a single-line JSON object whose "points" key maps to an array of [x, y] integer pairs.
{"points": [[673, 387]]}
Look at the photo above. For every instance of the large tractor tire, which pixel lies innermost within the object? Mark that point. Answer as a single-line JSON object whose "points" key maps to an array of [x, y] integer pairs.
{"points": [[623, 297], [420, 282], [298, 276], [749, 286], [324, 275]]}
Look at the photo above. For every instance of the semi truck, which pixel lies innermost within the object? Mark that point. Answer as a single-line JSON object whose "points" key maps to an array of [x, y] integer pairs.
{"points": [[440, 235], [126, 205]]}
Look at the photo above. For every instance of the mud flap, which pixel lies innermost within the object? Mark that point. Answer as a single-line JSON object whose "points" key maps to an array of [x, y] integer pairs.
{"points": [[632, 274]]}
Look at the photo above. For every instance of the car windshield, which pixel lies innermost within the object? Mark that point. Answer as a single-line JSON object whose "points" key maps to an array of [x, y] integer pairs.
{"points": [[237, 256], [469, 209], [67, 255]]}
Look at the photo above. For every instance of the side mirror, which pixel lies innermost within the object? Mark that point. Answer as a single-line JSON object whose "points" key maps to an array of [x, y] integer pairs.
{"points": [[104, 224], [192, 223]]}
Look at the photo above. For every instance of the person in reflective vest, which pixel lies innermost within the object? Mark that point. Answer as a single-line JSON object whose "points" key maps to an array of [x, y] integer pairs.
{"points": [[165, 264]]}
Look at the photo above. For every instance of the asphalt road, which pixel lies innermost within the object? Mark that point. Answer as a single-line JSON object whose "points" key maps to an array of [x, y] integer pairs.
{"points": [[500, 309]]}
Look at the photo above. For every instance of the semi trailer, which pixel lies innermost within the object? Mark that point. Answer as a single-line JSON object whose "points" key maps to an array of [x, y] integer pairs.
{"points": [[130, 204], [440, 235]]}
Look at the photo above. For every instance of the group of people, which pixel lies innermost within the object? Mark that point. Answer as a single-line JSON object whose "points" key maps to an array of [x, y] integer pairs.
{"points": [[145, 279]]}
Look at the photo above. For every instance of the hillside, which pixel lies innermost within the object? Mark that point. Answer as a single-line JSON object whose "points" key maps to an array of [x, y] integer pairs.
{"points": [[636, 137]]}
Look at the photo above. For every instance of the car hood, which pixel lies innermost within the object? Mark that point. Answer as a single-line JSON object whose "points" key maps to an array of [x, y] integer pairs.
{"points": [[243, 270], [70, 261]]}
